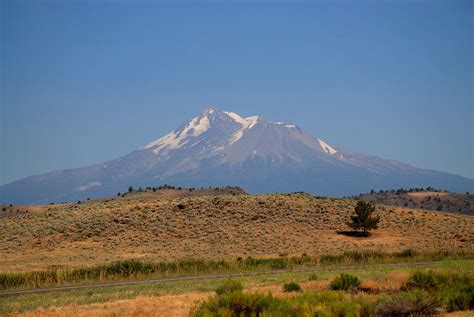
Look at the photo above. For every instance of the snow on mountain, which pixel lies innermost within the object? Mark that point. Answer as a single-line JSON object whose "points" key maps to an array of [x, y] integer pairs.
{"points": [[326, 147], [174, 140], [246, 123], [220, 148]]}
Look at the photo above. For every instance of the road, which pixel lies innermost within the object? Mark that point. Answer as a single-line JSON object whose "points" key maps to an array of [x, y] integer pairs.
{"points": [[205, 277]]}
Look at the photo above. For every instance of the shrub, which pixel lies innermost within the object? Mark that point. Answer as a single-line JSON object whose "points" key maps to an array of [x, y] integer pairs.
{"points": [[323, 304], [408, 304], [422, 280], [461, 298], [292, 287], [313, 277], [229, 286], [237, 304], [345, 282]]}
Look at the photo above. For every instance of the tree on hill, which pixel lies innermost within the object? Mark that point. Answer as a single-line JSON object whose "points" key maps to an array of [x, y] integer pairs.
{"points": [[364, 218]]}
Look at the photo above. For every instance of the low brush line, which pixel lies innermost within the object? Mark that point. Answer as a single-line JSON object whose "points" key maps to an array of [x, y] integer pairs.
{"points": [[204, 277]]}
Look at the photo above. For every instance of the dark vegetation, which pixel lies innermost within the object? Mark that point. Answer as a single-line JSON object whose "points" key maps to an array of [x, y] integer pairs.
{"points": [[229, 286], [453, 292], [345, 282], [422, 198], [292, 287], [364, 218], [456, 289], [233, 190]]}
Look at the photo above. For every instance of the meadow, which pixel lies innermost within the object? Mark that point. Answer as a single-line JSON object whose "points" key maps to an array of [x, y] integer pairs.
{"points": [[180, 297]]}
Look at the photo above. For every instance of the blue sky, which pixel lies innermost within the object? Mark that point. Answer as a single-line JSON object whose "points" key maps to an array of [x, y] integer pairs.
{"points": [[87, 81]]}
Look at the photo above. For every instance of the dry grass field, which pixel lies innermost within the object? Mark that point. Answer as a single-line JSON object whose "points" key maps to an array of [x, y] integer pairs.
{"points": [[171, 306], [375, 285], [168, 225], [167, 305]]}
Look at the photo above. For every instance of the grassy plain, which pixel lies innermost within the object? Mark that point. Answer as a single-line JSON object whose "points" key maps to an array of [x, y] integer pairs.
{"points": [[152, 298]]}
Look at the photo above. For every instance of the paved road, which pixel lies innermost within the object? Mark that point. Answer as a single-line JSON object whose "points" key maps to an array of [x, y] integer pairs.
{"points": [[205, 277]]}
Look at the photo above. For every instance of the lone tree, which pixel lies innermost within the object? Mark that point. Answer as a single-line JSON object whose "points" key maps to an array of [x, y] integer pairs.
{"points": [[364, 218]]}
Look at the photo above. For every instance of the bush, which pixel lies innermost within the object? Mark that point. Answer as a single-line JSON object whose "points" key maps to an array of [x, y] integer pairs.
{"points": [[292, 287], [345, 282], [239, 304], [456, 290], [461, 298], [422, 280], [408, 304], [229, 286], [323, 304], [313, 277]]}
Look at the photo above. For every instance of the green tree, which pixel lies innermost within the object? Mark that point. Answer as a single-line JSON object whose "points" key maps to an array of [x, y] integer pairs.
{"points": [[364, 218], [130, 189]]}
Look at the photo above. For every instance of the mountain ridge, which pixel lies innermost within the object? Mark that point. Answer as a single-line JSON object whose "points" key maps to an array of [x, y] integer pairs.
{"points": [[218, 148]]}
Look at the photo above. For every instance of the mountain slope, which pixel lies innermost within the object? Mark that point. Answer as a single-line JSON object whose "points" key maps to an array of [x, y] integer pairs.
{"points": [[220, 148]]}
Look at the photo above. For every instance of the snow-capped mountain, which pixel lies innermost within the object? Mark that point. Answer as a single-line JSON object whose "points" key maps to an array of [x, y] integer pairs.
{"points": [[220, 148]]}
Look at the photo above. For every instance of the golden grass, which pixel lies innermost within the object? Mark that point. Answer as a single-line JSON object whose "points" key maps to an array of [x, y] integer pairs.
{"points": [[213, 227], [427, 193], [165, 305], [162, 306], [394, 281], [461, 314]]}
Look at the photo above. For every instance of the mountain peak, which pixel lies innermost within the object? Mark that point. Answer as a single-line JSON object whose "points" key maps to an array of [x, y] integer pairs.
{"points": [[227, 126], [209, 110], [243, 121]]}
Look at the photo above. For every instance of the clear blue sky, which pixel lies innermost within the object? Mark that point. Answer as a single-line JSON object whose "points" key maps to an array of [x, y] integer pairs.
{"points": [[83, 82]]}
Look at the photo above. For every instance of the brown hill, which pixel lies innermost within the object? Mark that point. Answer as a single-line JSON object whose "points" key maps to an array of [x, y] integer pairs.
{"points": [[227, 226], [427, 199], [145, 194]]}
